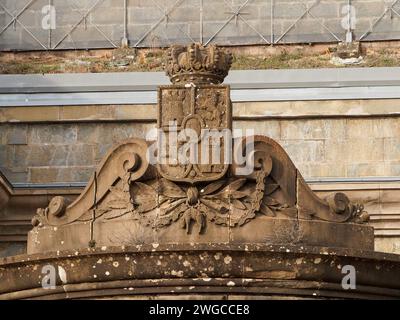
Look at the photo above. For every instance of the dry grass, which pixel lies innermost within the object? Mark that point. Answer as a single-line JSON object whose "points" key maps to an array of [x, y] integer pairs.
{"points": [[125, 60]]}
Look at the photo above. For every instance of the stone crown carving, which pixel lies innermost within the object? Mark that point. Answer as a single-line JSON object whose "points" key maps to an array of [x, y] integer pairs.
{"points": [[197, 64]]}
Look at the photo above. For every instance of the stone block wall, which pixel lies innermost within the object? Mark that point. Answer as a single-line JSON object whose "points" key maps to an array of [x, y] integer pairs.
{"points": [[67, 150], [100, 24]]}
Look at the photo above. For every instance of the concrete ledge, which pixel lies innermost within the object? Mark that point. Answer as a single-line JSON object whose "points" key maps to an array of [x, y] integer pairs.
{"points": [[247, 86], [237, 79]]}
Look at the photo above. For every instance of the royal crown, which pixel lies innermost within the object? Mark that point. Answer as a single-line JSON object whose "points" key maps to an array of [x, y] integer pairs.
{"points": [[197, 64]]}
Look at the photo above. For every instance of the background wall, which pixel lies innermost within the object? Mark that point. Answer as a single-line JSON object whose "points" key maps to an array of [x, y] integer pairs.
{"points": [[322, 147], [73, 24]]}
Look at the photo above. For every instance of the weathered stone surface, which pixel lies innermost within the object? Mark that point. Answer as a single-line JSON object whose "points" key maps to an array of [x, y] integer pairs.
{"points": [[56, 134], [200, 271], [17, 136], [54, 174]]}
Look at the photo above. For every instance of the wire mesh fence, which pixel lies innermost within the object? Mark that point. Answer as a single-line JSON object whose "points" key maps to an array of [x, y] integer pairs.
{"points": [[86, 24]]}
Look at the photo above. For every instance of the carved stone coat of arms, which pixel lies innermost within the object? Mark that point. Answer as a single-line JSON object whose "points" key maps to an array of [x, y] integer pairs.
{"points": [[198, 117]]}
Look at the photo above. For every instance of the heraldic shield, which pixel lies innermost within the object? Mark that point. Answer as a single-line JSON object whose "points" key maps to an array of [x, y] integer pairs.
{"points": [[195, 126]]}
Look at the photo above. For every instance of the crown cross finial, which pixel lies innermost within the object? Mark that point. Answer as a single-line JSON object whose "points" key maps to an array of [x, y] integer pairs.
{"points": [[197, 64]]}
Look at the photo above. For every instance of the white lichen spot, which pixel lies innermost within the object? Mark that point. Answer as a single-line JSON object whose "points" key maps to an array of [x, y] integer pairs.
{"points": [[76, 253], [107, 273], [186, 263], [127, 258], [55, 228], [180, 257], [130, 289], [177, 273], [217, 256], [158, 262], [62, 242], [299, 261], [339, 266], [99, 261], [115, 264], [317, 260], [249, 269], [206, 279], [192, 287], [103, 248], [72, 265], [155, 245], [95, 276], [230, 284], [227, 259]]}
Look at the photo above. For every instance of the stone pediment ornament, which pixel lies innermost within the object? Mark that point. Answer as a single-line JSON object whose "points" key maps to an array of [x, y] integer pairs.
{"points": [[132, 201]]}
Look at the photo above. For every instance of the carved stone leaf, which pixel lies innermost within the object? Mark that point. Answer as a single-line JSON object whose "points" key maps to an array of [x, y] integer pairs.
{"points": [[221, 207], [165, 220], [144, 188], [144, 196], [270, 188], [239, 194], [269, 201], [233, 186], [212, 187], [239, 205], [170, 189], [172, 206], [267, 211]]}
